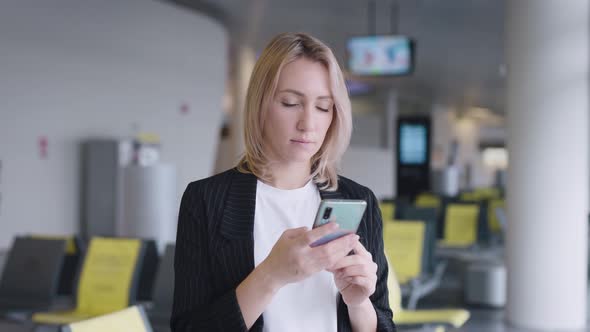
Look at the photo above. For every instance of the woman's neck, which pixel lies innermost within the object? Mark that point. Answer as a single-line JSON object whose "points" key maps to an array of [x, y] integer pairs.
{"points": [[291, 176]]}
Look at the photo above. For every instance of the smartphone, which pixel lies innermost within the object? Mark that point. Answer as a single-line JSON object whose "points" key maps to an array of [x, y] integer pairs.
{"points": [[347, 213]]}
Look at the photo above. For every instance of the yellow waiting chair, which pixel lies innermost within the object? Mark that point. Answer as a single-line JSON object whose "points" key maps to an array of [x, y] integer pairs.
{"points": [[163, 291], [433, 317], [29, 280], [108, 281], [469, 196], [493, 222], [488, 193], [74, 252], [410, 245], [428, 200], [394, 251], [404, 247], [387, 210], [132, 319], [460, 225], [480, 194]]}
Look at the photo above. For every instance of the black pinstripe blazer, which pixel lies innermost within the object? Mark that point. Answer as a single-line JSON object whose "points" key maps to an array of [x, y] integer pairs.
{"points": [[215, 252]]}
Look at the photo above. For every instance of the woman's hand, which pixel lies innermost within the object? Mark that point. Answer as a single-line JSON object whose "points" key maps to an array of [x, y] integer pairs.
{"points": [[292, 259], [355, 276]]}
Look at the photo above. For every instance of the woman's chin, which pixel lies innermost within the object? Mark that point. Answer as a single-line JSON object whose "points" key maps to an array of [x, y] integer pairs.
{"points": [[299, 158]]}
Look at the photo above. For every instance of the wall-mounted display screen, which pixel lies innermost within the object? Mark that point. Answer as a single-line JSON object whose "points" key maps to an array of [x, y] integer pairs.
{"points": [[380, 55], [413, 144]]}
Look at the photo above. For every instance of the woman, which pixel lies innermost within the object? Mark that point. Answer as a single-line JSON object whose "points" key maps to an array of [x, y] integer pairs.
{"points": [[243, 256]]}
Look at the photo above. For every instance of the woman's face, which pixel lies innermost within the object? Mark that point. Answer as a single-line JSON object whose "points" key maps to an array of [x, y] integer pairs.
{"points": [[300, 113]]}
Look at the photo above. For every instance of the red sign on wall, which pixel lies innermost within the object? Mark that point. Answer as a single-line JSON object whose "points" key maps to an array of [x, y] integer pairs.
{"points": [[43, 144]]}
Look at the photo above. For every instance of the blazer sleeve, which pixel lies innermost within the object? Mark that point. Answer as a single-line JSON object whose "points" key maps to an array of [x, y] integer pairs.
{"points": [[380, 298], [195, 308]]}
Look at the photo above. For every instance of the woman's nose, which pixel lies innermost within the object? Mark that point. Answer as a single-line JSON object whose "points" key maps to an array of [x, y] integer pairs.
{"points": [[305, 122]]}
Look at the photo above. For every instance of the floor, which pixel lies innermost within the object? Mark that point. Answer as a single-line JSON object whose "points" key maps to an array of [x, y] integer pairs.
{"points": [[486, 320]]}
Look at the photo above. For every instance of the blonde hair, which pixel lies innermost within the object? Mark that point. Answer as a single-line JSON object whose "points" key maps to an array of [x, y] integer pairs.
{"points": [[282, 50]]}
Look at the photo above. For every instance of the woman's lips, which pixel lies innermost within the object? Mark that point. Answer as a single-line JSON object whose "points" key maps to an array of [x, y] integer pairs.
{"points": [[301, 141]]}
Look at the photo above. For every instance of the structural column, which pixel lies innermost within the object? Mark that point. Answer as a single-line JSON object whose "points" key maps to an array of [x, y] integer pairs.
{"points": [[243, 62], [547, 189]]}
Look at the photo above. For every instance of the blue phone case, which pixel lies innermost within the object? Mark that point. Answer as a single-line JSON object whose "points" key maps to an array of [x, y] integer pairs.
{"points": [[346, 213]]}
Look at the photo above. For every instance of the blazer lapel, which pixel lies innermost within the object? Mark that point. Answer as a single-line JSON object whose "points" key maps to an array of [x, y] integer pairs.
{"points": [[331, 194], [234, 247], [238, 213]]}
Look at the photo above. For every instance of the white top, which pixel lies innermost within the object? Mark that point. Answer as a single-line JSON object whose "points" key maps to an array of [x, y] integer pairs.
{"points": [[308, 305]]}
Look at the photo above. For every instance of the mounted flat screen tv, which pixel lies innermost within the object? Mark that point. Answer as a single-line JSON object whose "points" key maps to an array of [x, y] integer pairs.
{"points": [[380, 55]]}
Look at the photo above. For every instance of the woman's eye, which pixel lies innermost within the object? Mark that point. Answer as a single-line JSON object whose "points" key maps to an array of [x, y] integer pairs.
{"points": [[323, 109], [288, 104]]}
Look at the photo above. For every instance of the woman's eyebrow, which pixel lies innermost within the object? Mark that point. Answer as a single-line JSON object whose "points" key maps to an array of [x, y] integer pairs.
{"points": [[301, 94]]}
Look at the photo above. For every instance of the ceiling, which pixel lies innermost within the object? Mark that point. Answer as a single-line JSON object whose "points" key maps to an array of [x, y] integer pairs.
{"points": [[459, 43]]}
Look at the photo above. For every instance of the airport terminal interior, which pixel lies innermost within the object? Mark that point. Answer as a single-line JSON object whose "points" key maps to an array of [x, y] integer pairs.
{"points": [[470, 126]]}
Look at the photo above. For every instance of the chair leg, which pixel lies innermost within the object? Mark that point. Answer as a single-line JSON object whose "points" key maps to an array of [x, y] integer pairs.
{"points": [[413, 300]]}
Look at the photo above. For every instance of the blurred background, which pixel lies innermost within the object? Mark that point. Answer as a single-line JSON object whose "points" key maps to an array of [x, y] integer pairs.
{"points": [[470, 120]]}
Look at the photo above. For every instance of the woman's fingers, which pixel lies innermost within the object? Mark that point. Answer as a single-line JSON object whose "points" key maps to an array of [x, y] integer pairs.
{"points": [[359, 249], [318, 233], [363, 270], [367, 283], [356, 259]]}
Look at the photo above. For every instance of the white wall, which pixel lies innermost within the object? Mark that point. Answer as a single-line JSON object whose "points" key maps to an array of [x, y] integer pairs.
{"points": [[372, 167], [70, 70], [367, 130], [370, 158]]}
